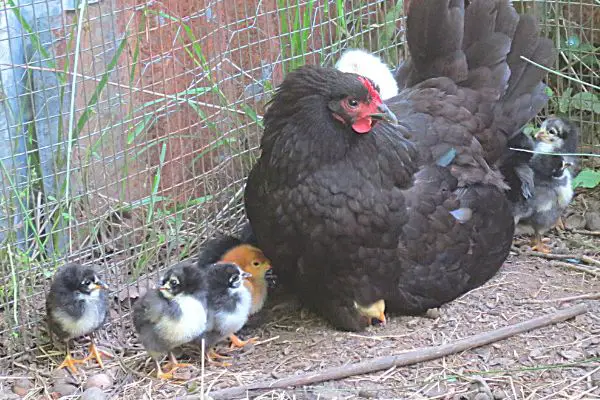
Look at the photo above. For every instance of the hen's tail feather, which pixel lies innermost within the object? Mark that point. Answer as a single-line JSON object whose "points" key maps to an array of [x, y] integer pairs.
{"points": [[526, 93], [480, 48], [434, 36]]}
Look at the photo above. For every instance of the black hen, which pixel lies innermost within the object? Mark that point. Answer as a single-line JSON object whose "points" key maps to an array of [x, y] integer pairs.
{"points": [[352, 211]]}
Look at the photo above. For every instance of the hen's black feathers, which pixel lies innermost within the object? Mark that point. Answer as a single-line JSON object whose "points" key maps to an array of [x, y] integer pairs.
{"points": [[413, 214]]}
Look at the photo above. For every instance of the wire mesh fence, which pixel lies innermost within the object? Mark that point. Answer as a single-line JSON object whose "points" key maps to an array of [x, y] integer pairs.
{"points": [[128, 127]]}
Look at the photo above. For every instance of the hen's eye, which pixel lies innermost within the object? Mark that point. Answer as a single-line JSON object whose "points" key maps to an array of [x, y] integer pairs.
{"points": [[353, 103], [255, 263]]}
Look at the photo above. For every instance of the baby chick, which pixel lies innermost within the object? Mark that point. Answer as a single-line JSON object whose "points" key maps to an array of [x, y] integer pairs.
{"points": [[253, 261], [366, 64], [229, 303], [549, 190], [77, 305], [375, 311], [172, 315], [250, 259]]}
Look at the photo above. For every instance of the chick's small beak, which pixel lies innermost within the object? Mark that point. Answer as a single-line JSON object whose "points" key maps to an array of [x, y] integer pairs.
{"points": [[385, 114], [542, 135], [101, 285], [165, 287]]}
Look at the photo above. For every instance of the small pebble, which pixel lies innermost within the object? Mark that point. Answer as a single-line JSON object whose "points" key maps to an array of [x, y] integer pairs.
{"points": [[575, 221], [592, 220], [499, 394], [22, 387], [8, 395], [102, 381], [93, 393], [367, 394], [64, 389], [595, 378], [433, 313]]}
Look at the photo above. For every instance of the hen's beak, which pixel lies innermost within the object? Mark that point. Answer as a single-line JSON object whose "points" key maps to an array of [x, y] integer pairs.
{"points": [[382, 318], [385, 114]]}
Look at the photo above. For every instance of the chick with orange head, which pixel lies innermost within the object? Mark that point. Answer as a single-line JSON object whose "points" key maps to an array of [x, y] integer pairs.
{"points": [[252, 260]]}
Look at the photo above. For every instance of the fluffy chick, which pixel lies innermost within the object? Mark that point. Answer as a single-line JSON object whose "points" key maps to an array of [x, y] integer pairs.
{"points": [[375, 311], [172, 315], [366, 64], [229, 303], [550, 190], [250, 259], [77, 305]]}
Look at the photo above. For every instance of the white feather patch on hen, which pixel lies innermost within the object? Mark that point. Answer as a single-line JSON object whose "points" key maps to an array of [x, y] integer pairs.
{"points": [[369, 65]]}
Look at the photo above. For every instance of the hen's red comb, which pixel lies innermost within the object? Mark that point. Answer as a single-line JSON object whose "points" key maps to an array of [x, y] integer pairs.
{"points": [[372, 91]]}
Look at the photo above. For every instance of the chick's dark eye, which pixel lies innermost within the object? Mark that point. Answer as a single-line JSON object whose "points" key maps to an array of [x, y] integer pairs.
{"points": [[255, 263], [87, 282], [353, 103]]}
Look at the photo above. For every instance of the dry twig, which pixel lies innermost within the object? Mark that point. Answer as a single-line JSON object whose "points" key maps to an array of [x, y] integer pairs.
{"points": [[587, 296], [408, 358], [575, 267], [584, 232], [586, 259]]}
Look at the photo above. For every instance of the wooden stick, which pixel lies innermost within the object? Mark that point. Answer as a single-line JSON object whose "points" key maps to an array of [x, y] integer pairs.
{"points": [[586, 259], [584, 232], [587, 296], [575, 267], [412, 357]]}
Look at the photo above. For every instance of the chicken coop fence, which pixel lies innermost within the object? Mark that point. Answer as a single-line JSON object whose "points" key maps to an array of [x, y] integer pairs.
{"points": [[127, 127]]}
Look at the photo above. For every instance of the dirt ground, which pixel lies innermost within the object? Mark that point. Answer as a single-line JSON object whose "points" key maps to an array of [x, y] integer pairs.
{"points": [[561, 361]]}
